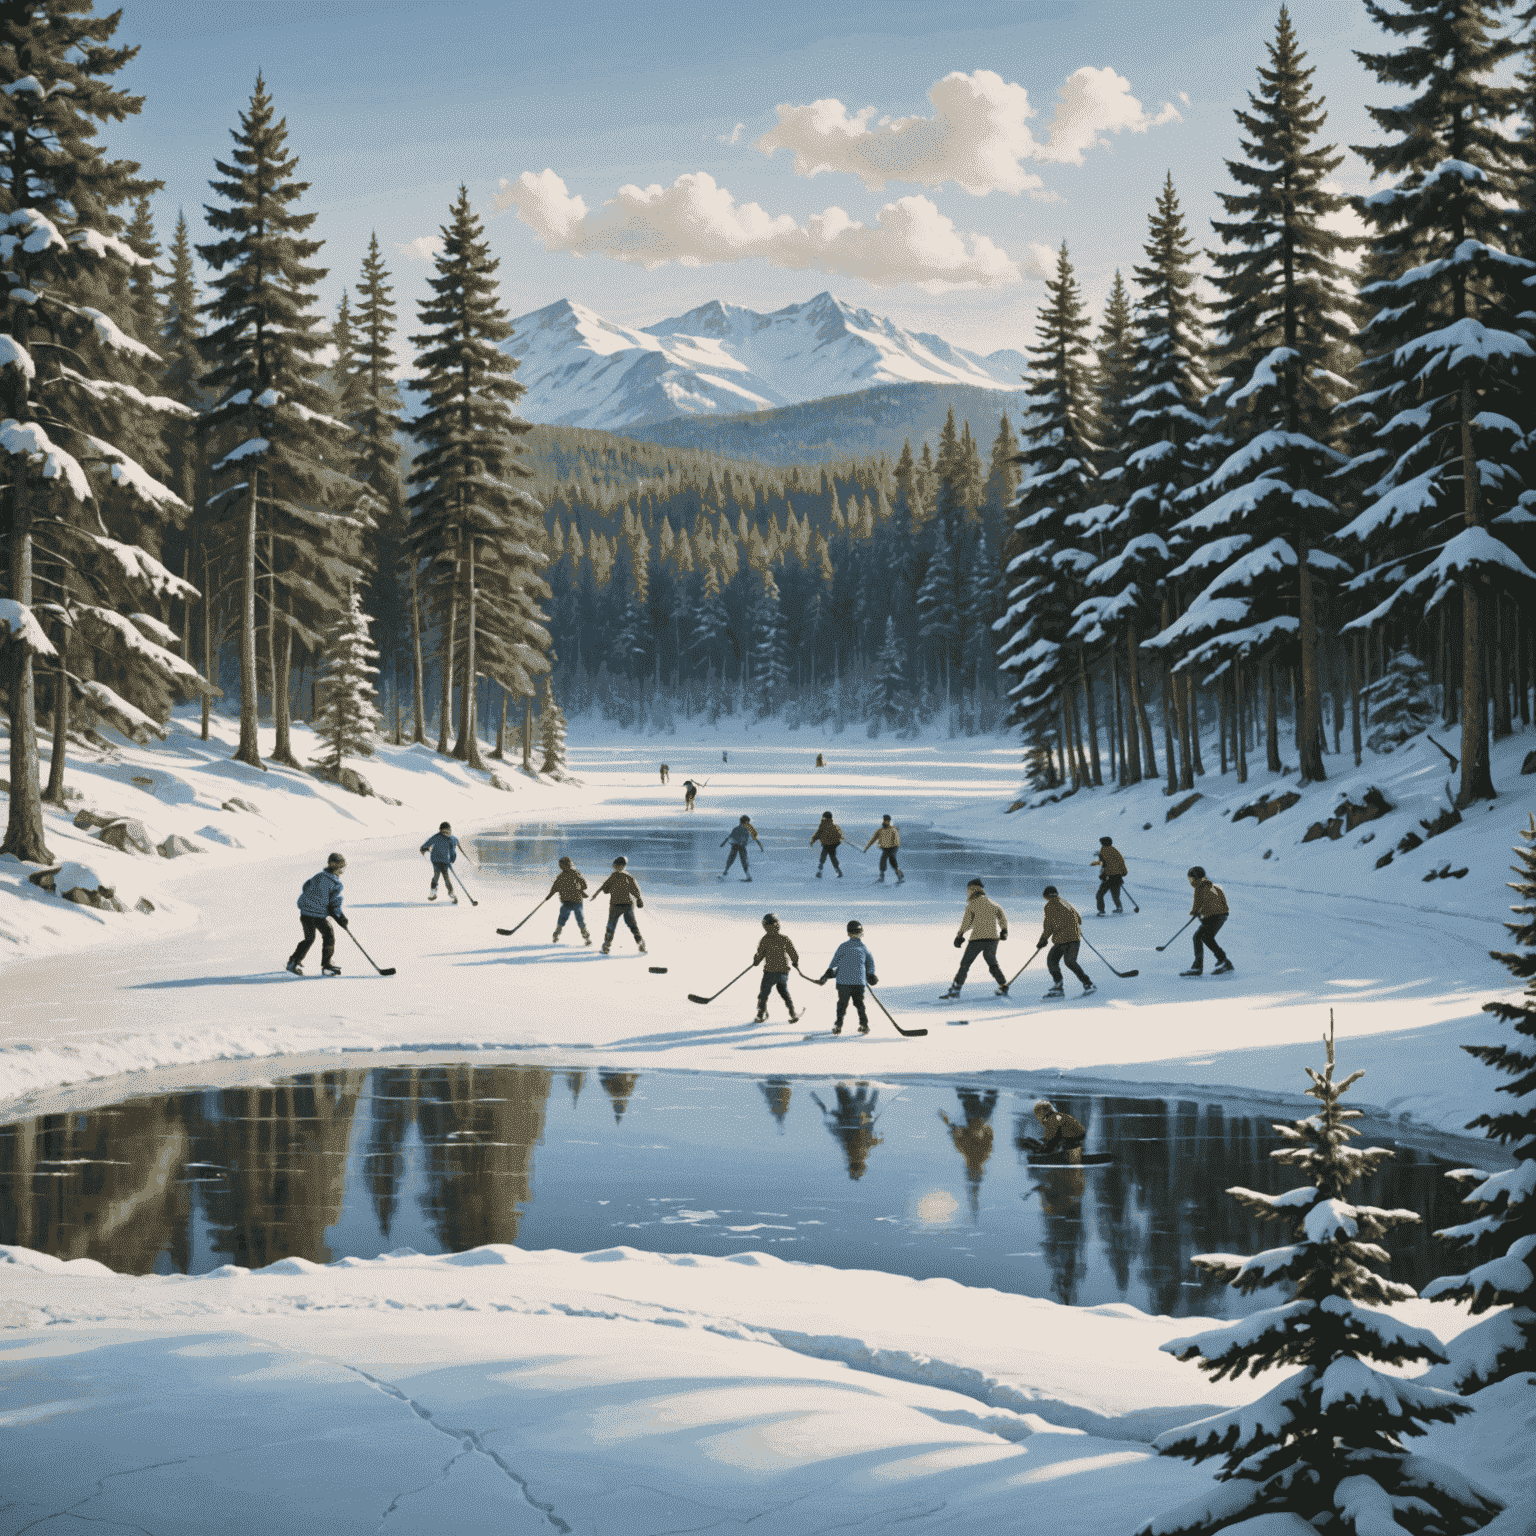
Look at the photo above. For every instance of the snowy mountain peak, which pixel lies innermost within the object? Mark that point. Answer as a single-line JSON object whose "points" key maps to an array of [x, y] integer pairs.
{"points": [[581, 369]]}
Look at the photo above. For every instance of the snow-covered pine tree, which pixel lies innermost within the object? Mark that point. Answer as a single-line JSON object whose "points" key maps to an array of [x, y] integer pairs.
{"points": [[1324, 1446], [890, 701], [552, 732], [1045, 565], [1128, 590], [1402, 704], [1001, 488], [273, 483], [1502, 1232], [348, 718], [468, 509], [69, 406], [770, 649], [1446, 368]]}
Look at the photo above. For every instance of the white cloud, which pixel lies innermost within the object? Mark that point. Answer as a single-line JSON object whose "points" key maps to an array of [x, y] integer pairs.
{"points": [[697, 223], [422, 248], [978, 138], [734, 136]]}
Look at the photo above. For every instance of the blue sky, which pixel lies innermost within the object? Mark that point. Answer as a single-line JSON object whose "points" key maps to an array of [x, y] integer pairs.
{"points": [[390, 106]]}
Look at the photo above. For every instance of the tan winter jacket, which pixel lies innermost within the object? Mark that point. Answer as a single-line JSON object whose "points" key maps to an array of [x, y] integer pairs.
{"points": [[570, 885], [777, 952], [1112, 862], [1210, 901], [622, 890], [829, 833], [1059, 1124], [887, 837], [984, 918], [1063, 925]]}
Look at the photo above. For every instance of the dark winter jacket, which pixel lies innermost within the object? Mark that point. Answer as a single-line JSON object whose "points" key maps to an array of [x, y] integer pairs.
{"points": [[1210, 901], [777, 952], [1063, 924], [1057, 1128], [622, 889], [739, 834], [852, 964], [1112, 862], [828, 833], [444, 847], [321, 896], [570, 885]]}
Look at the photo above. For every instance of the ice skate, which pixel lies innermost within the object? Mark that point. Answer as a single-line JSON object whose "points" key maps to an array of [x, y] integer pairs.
{"points": [[839, 874], [881, 880], [1088, 987], [1057, 991], [555, 939], [431, 895], [762, 1016], [901, 879], [587, 938], [954, 992], [606, 948], [295, 968], [818, 874], [1194, 970], [794, 1018], [1222, 967], [330, 970], [837, 1029], [642, 946], [863, 1029], [454, 899], [746, 879], [1001, 992]]}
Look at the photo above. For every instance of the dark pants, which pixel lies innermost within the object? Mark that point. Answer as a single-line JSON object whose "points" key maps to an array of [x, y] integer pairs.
{"points": [[888, 856], [1205, 934], [1065, 954], [987, 947], [1110, 883], [828, 851], [440, 872], [627, 912], [737, 852], [687, 802], [570, 909], [855, 995], [312, 926], [772, 979]]}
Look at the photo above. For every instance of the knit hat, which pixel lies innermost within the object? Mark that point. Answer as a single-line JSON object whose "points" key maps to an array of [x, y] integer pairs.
{"points": [[826, 815], [1050, 890], [565, 862], [745, 819], [855, 927], [336, 861], [769, 920], [445, 827], [1104, 842], [975, 884], [620, 862], [1197, 872], [885, 818]]}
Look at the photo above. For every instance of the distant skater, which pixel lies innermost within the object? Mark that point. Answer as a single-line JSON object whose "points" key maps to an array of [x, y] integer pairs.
{"points": [[444, 848], [690, 794], [1210, 906], [1063, 931], [624, 896], [319, 901], [987, 924], [777, 954], [854, 968], [830, 836], [821, 762], [725, 757], [571, 887], [666, 773], [737, 837], [1061, 1135], [888, 835], [1112, 868]]}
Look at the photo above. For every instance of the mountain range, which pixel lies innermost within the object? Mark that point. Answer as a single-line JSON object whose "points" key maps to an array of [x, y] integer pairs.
{"points": [[582, 370]]}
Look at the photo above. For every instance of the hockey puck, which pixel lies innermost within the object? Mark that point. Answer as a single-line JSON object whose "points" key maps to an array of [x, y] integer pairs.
{"points": [[658, 970]]}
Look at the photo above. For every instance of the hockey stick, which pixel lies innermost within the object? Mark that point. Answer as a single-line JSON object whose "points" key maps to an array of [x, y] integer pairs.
{"points": [[909, 1033], [693, 997], [465, 889], [1023, 967], [1124, 887], [1123, 975], [390, 971], [507, 933], [1162, 947]]}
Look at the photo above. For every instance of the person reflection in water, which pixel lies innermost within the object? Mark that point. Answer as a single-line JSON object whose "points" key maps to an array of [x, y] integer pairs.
{"points": [[1061, 1135], [853, 1123], [973, 1139]]}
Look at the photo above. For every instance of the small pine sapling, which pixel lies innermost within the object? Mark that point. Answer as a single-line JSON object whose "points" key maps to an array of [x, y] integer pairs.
{"points": [[1401, 705], [1322, 1452], [1503, 1231], [349, 716], [551, 733]]}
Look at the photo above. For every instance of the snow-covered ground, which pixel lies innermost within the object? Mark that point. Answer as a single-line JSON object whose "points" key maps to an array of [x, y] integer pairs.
{"points": [[503, 1389]]}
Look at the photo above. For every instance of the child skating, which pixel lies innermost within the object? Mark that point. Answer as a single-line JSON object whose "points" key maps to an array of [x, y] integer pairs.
{"points": [[737, 837], [777, 955], [888, 835], [987, 924], [571, 887], [319, 901], [1210, 906], [624, 896], [854, 967], [1063, 931], [830, 836], [443, 846], [1111, 864]]}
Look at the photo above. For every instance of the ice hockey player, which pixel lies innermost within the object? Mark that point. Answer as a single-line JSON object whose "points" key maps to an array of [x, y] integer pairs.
{"points": [[1061, 1135], [776, 953], [319, 901], [623, 897], [1063, 931], [690, 794], [888, 835], [571, 887], [988, 924], [1111, 864], [1210, 906], [821, 762], [444, 848], [854, 967], [830, 836], [666, 773], [737, 838]]}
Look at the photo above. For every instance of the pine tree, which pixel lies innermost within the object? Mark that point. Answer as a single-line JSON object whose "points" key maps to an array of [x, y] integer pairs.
{"points": [[180, 334], [1502, 1232], [270, 430], [1001, 487], [890, 701], [348, 718], [70, 405], [552, 731], [770, 661], [1325, 1444], [1446, 368], [1402, 704], [1253, 530], [469, 515]]}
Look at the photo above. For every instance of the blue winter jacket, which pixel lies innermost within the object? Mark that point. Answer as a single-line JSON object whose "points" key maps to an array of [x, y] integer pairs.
{"points": [[444, 847], [739, 836], [853, 964], [321, 896]]}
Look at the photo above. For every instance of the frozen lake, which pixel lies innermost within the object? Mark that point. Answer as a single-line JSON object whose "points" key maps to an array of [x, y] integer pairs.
{"points": [[922, 1179]]}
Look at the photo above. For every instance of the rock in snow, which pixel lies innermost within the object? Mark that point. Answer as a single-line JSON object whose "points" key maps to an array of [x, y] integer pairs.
{"points": [[128, 836]]}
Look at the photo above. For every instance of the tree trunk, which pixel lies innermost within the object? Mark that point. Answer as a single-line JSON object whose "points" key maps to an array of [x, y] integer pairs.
{"points": [[1354, 687], [1239, 737], [271, 626], [248, 750], [1144, 758], [418, 671], [1271, 718], [500, 753], [1116, 747], [1503, 718], [24, 822], [1192, 706], [527, 734], [1093, 718], [282, 677], [1171, 759], [1476, 779], [210, 661], [1186, 731], [55, 791], [1309, 707], [445, 651], [468, 744]]}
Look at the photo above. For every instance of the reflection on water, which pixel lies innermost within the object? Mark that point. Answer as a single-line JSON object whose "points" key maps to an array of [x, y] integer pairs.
{"points": [[853, 1173]]}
